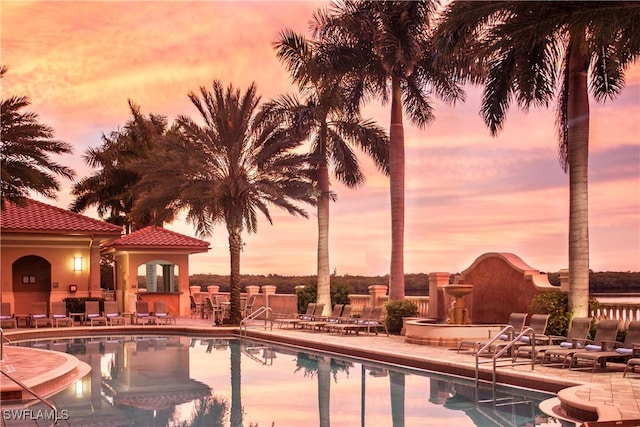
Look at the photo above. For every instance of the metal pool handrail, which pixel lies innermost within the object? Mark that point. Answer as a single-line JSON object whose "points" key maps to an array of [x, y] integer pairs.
{"points": [[488, 345], [256, 313], [36, 395], [2, 338], [499, 353]]}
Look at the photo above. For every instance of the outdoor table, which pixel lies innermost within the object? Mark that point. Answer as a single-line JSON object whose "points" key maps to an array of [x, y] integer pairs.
{"points": [[25, 317], [77, 317]]}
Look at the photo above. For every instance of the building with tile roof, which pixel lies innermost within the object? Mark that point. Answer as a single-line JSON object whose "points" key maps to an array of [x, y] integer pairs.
{"points": [[165, 257], [49, 254]]}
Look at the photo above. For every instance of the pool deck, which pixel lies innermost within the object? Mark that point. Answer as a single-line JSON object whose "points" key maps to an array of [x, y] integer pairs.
{"points": [[614, 397]]}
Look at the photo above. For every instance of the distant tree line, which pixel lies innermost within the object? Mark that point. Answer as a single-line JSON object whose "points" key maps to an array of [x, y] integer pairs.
{"points": [[416, 284]]}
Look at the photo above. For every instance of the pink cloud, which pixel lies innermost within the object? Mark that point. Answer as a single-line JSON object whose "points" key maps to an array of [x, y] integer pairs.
{"points": [[467, 192]]}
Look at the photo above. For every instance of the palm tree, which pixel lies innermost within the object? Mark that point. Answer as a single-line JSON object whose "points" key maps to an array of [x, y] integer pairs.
{"points": [[384, 50], [238, 163], [25, 149], [110, 188], [537, 50], [333, 131]]}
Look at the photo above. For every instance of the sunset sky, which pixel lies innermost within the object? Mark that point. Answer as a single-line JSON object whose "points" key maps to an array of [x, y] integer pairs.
{"points": [[467, 193]]}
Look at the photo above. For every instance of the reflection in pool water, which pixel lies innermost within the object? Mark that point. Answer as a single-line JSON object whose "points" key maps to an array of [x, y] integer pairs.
{"points": [[183, 381]]}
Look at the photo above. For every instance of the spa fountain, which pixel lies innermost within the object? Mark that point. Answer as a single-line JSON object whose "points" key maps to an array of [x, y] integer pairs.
{"points": [[455, 328], [458, 313]]}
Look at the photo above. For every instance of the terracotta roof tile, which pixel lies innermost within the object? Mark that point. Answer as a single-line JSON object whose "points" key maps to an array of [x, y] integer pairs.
{"points": [[36, 216], [157, 237]]}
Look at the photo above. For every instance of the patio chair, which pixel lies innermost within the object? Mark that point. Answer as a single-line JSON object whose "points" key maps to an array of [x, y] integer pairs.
{"points": [[161, 314], [39, 314], [196, 307], [7, 319], [516, 322], [112, 314], [605, 335], [214, 311], [92, 313], [222, 302], [631, 365], [576, 338], [248, 307], [143, 316], [308, 315], [59, 314], [629, 349]]}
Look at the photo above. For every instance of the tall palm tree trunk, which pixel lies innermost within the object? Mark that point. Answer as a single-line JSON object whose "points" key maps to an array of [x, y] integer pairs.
{"points": [[397, 392], [396, 175], [324, 279], [235, 246], [236, 384], [578, 140], [324, 390]]}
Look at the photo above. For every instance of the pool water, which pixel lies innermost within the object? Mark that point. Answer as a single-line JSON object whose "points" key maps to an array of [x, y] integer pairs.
{"points": [[185, 381]]}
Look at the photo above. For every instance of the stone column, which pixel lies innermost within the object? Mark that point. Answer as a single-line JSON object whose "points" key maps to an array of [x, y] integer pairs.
{"points": [[564, 279], [266, 291], [212, 290], [376, 292], [193, 290], [436, 282], [252, 290]]}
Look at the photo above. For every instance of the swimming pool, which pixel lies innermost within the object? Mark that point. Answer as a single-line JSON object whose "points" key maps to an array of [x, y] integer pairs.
{"points": [[186, 381]]}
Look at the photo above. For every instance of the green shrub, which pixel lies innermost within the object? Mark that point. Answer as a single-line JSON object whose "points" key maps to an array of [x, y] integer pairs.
{"points": [[309, 293], [306, 295], [396, 310], [556, 305], [340, 293]]}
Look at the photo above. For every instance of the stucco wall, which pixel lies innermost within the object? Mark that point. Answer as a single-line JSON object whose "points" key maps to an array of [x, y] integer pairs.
{"points": [[61, 273], [503, 284]]}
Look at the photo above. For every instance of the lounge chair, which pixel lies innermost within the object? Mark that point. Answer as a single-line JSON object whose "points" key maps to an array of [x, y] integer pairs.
{"points": [[143, 316], [631, 365], [308, 315], [516, 323], [629, 349], [376, 321], [161, 314], [112, 314], [576, 338], [371, 319], [92, 313], [322, 320], [344, 324], [59, 314], [7, 319], [605, 335], [39, 314]]}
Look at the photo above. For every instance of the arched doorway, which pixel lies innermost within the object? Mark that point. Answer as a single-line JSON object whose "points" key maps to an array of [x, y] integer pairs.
{"points": [[31, 277]]}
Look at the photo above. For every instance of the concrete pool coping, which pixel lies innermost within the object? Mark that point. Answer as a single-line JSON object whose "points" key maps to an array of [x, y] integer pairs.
{"points": [[604, 393]]}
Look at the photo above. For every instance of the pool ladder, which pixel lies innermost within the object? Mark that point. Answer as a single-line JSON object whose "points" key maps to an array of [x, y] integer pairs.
{"points": [[261, 310], [503, 350]]}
